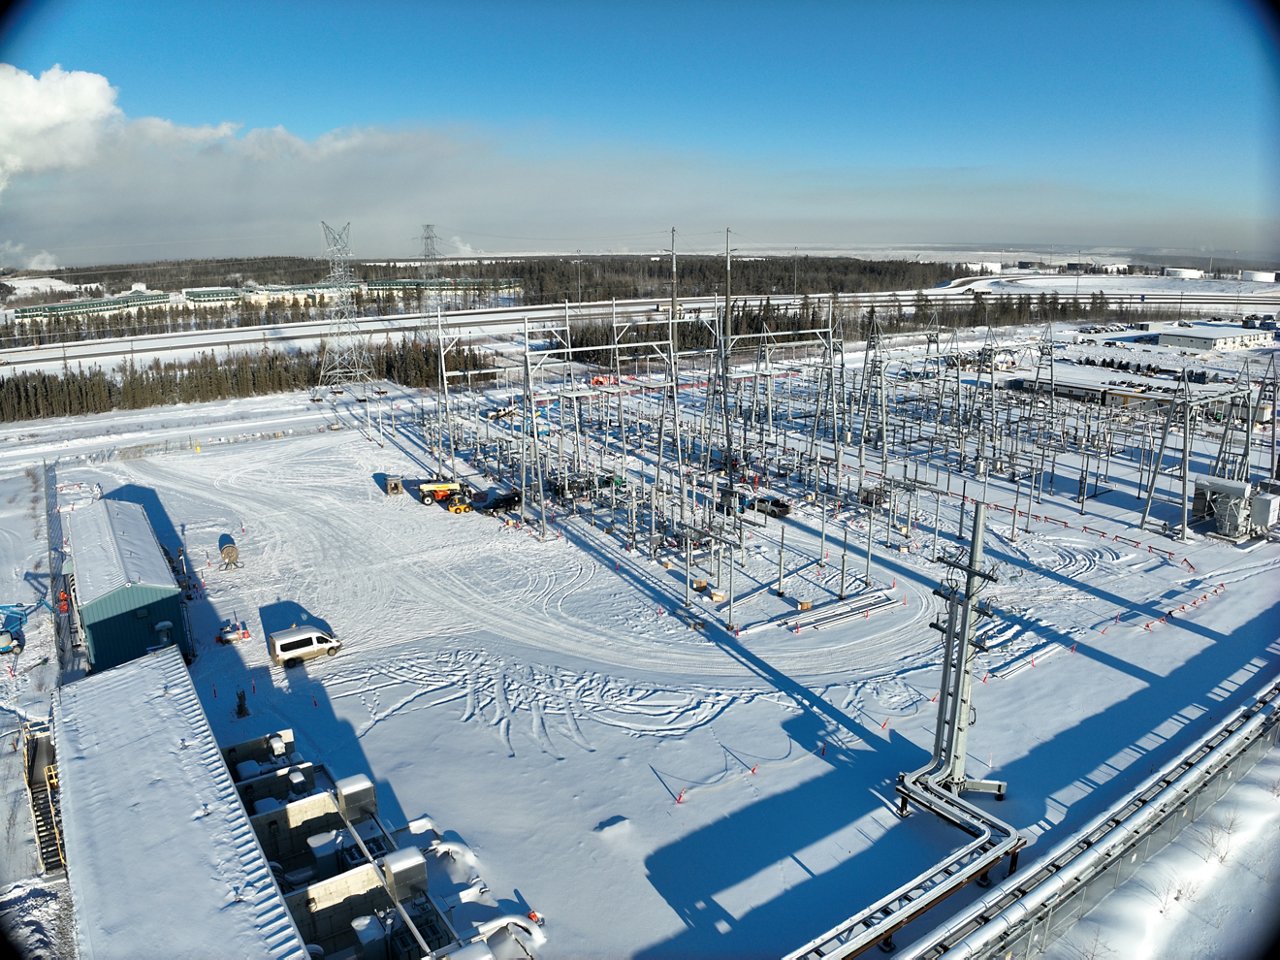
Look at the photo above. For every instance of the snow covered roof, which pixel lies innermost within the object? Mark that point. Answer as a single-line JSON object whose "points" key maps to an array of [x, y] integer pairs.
{"points": [[114, 546], [159, 848]]}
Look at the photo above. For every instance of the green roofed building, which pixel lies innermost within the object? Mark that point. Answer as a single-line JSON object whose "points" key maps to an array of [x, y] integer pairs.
{"points": [[211, 295], [91, 308], [126, 598]]}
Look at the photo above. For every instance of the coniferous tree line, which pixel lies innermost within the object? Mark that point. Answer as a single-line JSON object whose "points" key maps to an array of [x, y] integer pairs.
{"points": [[894, 317], [177, 274], [543, 279], [589, 278], [27, 395]]}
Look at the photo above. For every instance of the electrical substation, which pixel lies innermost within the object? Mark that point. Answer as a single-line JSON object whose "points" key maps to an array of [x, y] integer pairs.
{"points": [[779, 467]]}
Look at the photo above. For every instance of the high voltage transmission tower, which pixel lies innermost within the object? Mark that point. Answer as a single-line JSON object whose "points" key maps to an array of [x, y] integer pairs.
{"points": [[429, 268], [345, 363]]}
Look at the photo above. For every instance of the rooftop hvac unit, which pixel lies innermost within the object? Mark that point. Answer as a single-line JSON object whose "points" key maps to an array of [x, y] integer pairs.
{"points": [[406, 873], [476, 950], [356, 797], [323, 847], [275, 745], [370, 932]]}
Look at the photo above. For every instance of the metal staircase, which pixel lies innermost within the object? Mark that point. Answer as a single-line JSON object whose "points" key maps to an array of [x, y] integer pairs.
{"points": [[42, 788]]}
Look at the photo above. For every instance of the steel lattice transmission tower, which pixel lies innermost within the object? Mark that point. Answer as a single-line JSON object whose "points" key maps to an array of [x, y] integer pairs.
{"points": [[429, 268], [345, 360]]}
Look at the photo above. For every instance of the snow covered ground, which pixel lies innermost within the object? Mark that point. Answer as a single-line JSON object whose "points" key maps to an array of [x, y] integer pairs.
{"points": [[653, 787], [53, 286]]}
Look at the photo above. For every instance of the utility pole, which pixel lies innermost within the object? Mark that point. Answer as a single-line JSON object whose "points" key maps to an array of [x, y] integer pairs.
{"points": [[955, 709], [782, 546], [726, 333]]}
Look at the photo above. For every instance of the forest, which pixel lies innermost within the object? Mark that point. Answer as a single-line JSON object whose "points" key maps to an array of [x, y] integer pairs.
{"points": [[29, 396], [26, 396], [546, 279]]}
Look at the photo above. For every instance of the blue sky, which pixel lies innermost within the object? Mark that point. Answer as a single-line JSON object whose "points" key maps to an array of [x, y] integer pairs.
{"points": [[233, 128]]}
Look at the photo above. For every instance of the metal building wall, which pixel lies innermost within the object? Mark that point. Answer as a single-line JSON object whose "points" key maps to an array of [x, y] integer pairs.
{"points": [[121, 625]]}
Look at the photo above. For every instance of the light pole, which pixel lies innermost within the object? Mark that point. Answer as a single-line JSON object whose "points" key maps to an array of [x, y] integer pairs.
{"points": [[1079, 270]]}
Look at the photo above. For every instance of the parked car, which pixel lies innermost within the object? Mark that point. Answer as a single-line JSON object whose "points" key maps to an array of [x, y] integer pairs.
{"points": [[501, 503], [770, 506], [290, 647]]}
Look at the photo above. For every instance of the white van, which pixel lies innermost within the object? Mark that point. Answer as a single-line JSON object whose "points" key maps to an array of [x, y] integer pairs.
{"points": [[290, 647]]}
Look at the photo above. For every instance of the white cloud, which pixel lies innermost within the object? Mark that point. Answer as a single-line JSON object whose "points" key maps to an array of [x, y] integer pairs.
{"points": [[158, 130], [94, 186], [52, 121], [15, 255]]}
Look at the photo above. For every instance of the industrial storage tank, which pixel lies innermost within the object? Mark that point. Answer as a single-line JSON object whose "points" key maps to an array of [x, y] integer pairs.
{"points": [[1259, 276]]}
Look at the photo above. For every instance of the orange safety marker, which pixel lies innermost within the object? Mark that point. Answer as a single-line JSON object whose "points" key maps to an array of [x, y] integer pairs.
{"points": [[680, 795]]}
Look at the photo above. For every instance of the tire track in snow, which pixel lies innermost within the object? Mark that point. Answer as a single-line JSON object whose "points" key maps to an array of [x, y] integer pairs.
{"points": [[540, 730], [502, 709]]}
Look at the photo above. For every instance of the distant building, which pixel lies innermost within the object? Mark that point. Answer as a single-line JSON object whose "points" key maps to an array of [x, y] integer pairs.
{"points": [[202, 295], [126, 598], [1184, 273], [1221, 338], [97, 307], [1258, 276]]}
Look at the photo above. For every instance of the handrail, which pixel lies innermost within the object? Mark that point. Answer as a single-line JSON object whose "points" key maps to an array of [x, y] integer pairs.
{"points": [[51, 785]]}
